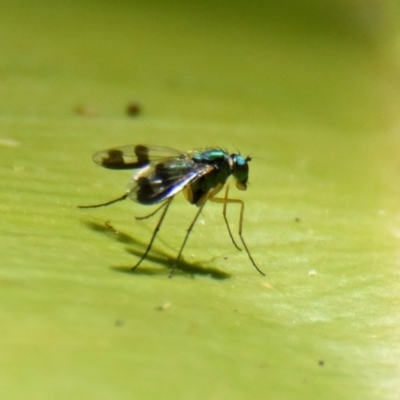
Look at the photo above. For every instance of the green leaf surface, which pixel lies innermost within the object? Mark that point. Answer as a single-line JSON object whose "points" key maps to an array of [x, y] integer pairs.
{"points": [[309, 91]]}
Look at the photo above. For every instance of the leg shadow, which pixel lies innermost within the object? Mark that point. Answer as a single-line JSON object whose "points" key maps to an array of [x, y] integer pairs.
{"points": [[182, 268]]}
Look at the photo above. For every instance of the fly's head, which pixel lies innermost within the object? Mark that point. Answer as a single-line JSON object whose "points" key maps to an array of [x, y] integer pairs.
{"points": [[240, 170]]}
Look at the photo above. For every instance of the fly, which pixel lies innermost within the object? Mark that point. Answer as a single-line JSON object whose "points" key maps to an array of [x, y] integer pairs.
{"points": [[164, 172]]}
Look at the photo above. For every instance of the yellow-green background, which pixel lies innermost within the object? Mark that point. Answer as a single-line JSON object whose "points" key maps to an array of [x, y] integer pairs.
{"points": [[311, 90]]}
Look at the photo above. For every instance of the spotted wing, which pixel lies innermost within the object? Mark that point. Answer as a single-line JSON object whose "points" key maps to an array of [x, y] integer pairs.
{"points": [[134, 156], [160, 181]]}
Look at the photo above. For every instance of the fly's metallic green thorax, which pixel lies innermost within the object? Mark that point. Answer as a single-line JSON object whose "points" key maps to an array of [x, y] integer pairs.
{"points": [[222, 166], [220, 169], [164, 172]]}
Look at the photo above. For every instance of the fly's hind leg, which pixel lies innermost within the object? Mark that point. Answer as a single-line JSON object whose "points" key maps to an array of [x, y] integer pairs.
{"points": [[123, 197]]}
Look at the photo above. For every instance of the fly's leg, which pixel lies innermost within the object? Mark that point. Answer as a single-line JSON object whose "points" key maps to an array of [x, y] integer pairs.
{"points": [[107, 203], [166, 204], [237, 201], [186, 238], [226, 219], [152, 213]]}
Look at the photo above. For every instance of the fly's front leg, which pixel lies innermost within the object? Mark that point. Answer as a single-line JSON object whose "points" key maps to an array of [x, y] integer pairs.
{"points": [[226, 219], [225, 201]]}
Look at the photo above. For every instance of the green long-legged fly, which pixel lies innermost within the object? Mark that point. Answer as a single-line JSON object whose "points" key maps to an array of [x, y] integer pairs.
{"points": [[164, 172]]}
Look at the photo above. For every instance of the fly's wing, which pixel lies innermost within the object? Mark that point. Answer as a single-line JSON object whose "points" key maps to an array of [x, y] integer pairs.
{"points": [[164, 179], [134, 156]]}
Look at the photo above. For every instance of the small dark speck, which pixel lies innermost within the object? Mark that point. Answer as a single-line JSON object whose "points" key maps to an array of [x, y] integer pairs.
{"points": [[164, 306], [133, 109], [119, 322], [321, 363], [297, 219]]}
